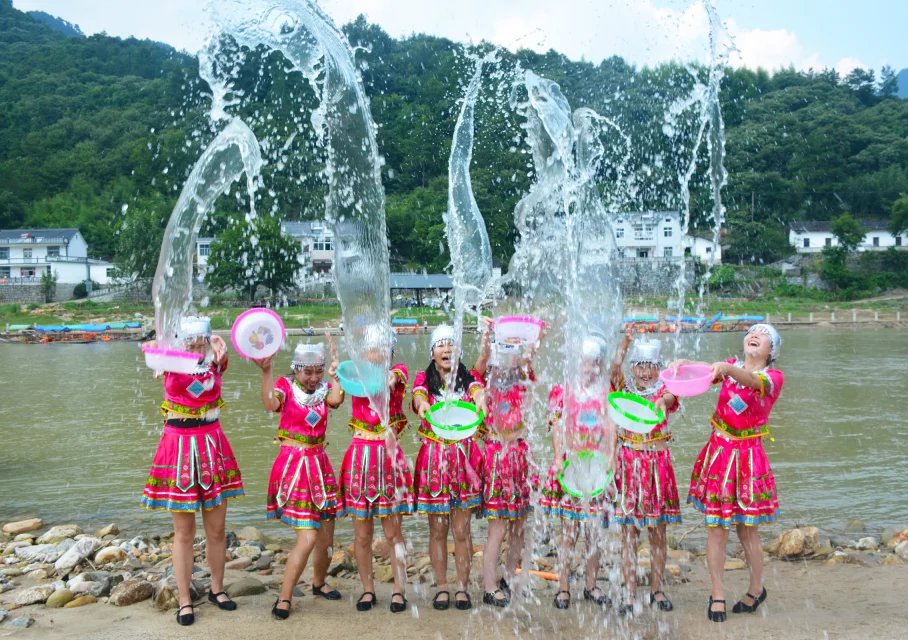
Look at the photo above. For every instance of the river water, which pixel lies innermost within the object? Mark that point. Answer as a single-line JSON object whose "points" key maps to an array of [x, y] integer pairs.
{"points": [[79, 425]]}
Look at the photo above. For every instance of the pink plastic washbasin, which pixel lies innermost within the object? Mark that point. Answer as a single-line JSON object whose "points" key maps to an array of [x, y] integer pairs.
{"points": [[688, 379], [171, 360]]}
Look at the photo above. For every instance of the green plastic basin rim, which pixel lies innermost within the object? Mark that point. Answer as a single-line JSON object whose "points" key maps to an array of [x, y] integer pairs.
{"points": [[459, 404], [623, 395]]}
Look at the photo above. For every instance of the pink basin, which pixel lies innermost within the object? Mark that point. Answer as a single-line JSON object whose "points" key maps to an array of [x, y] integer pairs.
{"points": [[688, 380]]}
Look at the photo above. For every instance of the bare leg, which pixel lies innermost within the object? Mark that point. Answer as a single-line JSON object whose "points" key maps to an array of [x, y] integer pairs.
{"points": [[363, 531], [716, 539], [324, 543], [566, 553], [515, 547], [629, 539], [391, 527], [593, 552], [438, 550], [497, 529], [214, 522], [183, 537], [296, 562], [463, 546], [753, 553], [658, 545]]}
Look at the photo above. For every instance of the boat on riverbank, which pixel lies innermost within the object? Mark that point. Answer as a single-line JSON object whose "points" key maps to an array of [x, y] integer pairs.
{"points": [[75, 333]]}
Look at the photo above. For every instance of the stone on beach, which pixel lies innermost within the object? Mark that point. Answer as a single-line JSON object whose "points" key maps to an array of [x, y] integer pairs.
{"points": [[897, 538], [96, 583], [250, 534], [80, 601], [33, 595], [110, 530], [76, 554], [109, 554], [247, 586], [39, 553], [238, 564], [15, 528], [22, 622], [247, 551], [130, 592], [799, 543], [166, 595], [58, 533], [59, 598], [901, 550]]}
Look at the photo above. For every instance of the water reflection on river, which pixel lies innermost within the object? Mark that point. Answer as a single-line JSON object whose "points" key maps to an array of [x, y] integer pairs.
{"points": [[79, 425]]}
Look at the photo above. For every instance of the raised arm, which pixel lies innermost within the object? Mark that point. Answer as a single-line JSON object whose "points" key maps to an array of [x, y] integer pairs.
{"points": [[335, 396], [271, 399], [620, 354]]}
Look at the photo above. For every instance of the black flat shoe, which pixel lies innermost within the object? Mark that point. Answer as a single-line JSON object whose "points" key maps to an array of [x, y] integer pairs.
{"points": [[362, 605], [562, 603], [626, 609], [504, 586], [281, 614], [715, 616], [664, 605], [741, 607], [464, 605], [187, 618], [397, 607], [494, 599], [602, 600], [225, 605], [441, 605], [334, 594]]}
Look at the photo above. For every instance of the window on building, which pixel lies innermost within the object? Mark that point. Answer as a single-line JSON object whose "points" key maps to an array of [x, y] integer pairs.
{"points": [[53, 251], [4, 253], [619, 232], [667, 232], [27, 273], [204, 250], [643, 231], [667, 252], [898, 241], [828, 242], [4, 272], [110, 272], [709, 249], [27, 253], [806, 243], [643, 253], [876, 241], [323, 244]]}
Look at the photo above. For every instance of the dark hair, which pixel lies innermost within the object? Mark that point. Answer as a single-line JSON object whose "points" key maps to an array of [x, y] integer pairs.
{"points": [[434, 382]]}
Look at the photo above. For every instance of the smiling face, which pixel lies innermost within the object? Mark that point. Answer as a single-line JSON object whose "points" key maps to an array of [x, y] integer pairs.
{"points": [[441, 355], [758, 346], [645, 373], [197, 344], [309, 376]]}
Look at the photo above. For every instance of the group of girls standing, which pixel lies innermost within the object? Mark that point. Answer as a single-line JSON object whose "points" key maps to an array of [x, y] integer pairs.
{"points": [[490, 473]]}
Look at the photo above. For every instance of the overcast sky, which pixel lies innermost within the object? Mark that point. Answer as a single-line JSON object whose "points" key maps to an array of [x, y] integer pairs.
{"points": [[842, 34]]}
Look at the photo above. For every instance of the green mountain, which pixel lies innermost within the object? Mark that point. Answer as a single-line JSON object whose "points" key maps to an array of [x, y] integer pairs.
{"points": [[99, 133]]}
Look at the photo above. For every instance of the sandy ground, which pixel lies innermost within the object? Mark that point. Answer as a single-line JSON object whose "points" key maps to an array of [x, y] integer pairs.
{"points": [[806, 600]]}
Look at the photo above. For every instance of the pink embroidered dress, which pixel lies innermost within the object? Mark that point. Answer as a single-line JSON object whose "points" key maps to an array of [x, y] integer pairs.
{"points": [[732, 481], [584, 430], [194, 467], [647, 493], [302, 489], [447, 473], [505, 472], [376, 482]]}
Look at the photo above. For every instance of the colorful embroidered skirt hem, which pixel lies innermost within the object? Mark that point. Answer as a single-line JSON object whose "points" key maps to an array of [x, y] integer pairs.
{"points": [[375, 483]]}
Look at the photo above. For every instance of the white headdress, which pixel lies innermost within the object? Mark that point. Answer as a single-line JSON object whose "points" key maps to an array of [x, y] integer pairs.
{"points": [[592, 348], [194, 327], [774, 338], [308, 355], [647, 351], [442, 333]]}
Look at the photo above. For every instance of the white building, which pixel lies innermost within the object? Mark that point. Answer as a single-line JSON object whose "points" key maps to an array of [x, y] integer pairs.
{"points": [[814, 236], [316, 248], [657, 234], [27, 254]]}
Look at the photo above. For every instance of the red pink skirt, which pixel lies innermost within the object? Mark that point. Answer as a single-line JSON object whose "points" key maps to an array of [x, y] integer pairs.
{"points": [[302, 490], [558, 503], [647, 494], [506, 481], [193, 469], [374, 482], [732, 483], [448, 476]]}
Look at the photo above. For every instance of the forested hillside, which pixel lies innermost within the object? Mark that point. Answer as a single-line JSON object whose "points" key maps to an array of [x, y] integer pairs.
{"points": [[99, 133]]}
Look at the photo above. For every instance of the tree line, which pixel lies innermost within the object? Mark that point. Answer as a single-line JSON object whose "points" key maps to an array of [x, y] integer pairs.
{"points": [[99, 133]]}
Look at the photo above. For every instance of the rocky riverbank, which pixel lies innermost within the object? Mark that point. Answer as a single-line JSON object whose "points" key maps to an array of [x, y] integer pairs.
{"points": [[63, 567]]}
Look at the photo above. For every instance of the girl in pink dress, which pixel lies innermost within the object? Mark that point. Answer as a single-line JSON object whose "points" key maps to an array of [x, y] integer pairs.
{"points": [[647, 494], [579, 424], [376, 483], [448, 483], [302, 490], [506, 475], [732, 482], [194, 468]]}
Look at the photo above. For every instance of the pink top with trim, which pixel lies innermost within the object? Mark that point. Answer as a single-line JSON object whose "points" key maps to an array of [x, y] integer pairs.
{"points": [[420, 388], [505, 408], [743, 412], [584, 422], [193, 394], [306, 424], [363, 411]]}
